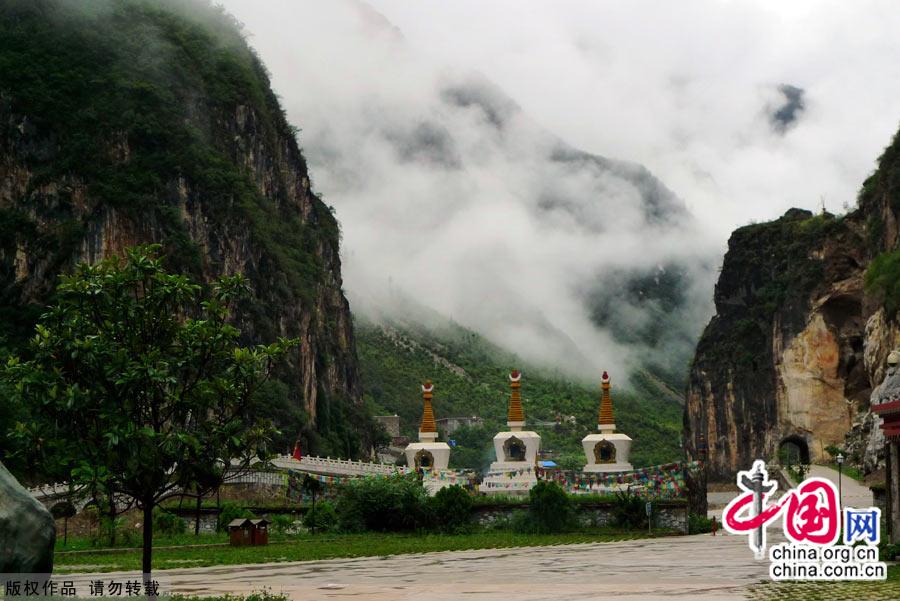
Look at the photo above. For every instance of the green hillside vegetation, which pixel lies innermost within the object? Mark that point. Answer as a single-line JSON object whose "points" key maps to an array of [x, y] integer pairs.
{"points": [[134, 72], [883, 274], [126, 100], [470, 377]]}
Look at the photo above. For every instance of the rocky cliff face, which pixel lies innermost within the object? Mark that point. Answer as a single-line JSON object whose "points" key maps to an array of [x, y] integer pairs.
{"points": [[139, 122], [801, 334]]}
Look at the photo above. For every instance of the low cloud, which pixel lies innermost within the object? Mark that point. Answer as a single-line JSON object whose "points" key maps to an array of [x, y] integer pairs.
{"points": [[462, 145]]}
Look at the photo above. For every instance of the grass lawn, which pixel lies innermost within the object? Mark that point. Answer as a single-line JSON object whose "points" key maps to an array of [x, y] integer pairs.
{"points": [[830, 591], [133, 541], [325, 546]]}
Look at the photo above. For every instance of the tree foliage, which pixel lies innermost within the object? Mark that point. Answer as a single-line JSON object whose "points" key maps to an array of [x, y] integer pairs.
{"points": [[883, 278], [145, 108], [451, 509], [137, 385], [390, 504], [550, 508]]}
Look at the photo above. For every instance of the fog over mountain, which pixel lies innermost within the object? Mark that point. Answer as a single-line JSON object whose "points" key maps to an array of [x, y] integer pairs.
{"points": [[462, 145]]}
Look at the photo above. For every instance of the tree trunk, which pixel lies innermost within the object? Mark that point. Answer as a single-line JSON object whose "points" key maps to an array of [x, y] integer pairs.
{"points": [[148, 540], [112, 521], [313, 512], [197, 516], [66, 530]]}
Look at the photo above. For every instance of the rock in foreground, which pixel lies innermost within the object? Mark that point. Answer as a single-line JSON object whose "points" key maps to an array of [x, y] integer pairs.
{"points": [[27, 530]]}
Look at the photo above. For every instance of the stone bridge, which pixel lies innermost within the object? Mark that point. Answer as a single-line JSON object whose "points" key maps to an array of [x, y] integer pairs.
{"points": [[327, 466], [50, 494]]}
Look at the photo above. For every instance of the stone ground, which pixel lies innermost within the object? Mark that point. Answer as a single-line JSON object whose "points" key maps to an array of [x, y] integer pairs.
{"points": [[703, 566], [853, 494]]}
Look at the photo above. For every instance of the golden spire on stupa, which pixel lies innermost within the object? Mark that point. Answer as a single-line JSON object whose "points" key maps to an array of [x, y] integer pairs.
{"points": [[515, 413], [428, 424], [605, 417]]}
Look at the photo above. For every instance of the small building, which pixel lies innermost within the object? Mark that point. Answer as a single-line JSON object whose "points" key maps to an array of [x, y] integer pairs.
{"points": [[391, 424], [260, 532], [240, 532], [244, 532]]}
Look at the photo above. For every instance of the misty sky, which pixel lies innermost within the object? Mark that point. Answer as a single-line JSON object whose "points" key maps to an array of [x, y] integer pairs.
{"points": [[741, 109]]}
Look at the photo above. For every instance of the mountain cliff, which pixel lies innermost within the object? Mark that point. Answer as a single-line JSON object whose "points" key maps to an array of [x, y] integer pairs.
{"points": [[806, 313], [152, 121]]}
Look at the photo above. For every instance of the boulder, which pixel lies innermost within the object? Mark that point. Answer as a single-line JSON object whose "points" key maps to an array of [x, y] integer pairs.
{"points": [[27, 530]]}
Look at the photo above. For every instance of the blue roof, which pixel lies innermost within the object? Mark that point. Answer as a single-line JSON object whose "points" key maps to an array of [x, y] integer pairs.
{"points": [[547, 464]]}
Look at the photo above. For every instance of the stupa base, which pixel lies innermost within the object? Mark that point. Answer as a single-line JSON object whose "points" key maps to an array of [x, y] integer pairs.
{"points": [[607, 468], [510, 478]]}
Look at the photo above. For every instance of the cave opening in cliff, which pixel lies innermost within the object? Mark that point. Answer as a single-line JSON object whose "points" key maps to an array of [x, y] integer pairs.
{"points": [[793, 450]]}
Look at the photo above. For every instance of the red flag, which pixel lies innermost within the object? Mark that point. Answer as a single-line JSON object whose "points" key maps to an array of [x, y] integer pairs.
{"points": [[297, 455]]}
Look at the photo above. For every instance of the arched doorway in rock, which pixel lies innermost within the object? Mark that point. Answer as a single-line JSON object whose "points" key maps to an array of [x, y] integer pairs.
{"points": [[604, 452], [514, 449], [793, 450]]}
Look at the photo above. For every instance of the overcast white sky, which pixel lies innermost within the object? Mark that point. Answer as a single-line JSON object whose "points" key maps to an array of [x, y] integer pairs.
{"points": [[678, 86], [686, 88]]}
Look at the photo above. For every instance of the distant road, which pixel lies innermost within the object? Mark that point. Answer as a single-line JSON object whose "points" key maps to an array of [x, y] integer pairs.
{"points": [[853, 493]]}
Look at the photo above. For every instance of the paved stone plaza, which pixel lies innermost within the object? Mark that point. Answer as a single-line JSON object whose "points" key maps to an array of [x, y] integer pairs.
{"points": [[703, 566]]}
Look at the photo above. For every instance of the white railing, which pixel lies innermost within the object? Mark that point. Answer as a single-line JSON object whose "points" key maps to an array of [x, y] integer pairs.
{"points": [[316, 465], [49, 490], [336, 467]]}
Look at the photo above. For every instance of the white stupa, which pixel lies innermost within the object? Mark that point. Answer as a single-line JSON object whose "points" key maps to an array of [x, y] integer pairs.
{"points": [[428, 455], [516, 450], [607, 451]]}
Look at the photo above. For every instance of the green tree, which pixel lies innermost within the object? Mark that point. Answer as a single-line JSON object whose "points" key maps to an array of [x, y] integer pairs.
{"points": [[451, 509], [137, 383], [550, 508], [312, 487]]}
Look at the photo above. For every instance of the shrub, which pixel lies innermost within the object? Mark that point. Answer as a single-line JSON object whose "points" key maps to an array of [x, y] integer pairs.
{"points": [[888, 552], [629, 510], [833, 451], [883, 277], [394, 504], [167, 523], [231, 511], [63, 510], [549, 508], [451, 509], [699, 524], [109, 531], [322, 518], [281, 523], [518, 521], [798, 472]]}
